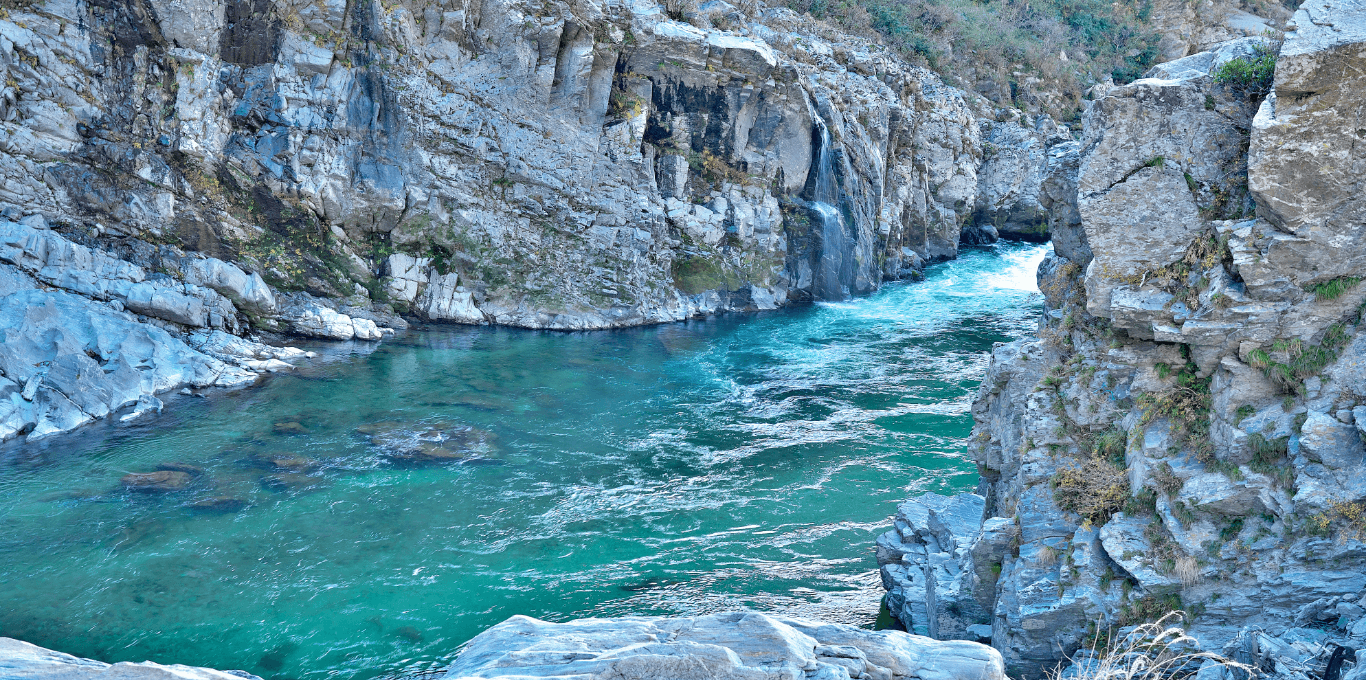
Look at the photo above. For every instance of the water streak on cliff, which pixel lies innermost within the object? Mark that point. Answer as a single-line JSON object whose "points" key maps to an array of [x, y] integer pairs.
{"points": [[832, 276]]}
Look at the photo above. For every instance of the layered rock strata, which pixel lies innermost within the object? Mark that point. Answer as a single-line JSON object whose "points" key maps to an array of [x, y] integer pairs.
{"points": [[580, 166], [324, 169], [1186, 430], [85, 335]]}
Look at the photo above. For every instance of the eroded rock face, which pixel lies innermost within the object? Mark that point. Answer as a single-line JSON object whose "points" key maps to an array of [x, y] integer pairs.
{"points": [[1191, 412], [1017, 162], [1306, 164], [217, 169], [595, 166], [734, 645]]}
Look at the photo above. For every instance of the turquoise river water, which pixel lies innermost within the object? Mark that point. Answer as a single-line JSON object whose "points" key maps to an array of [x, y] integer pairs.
{"points": [[742, 461]]}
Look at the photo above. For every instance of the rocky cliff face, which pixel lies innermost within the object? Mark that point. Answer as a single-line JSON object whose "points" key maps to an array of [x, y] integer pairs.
{"points": [[577, 165], [219, 168], [1186, 431]]}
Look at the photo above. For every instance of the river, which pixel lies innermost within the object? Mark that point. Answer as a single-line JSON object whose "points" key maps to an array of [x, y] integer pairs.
{"points": [[741, 461]]}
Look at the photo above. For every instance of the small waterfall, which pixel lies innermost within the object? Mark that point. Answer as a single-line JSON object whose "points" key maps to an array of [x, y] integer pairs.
{"points": [[830, 283]]}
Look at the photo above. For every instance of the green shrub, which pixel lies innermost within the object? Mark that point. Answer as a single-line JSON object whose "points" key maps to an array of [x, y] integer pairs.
{"points": [[1252, 76], [1332, 290]]}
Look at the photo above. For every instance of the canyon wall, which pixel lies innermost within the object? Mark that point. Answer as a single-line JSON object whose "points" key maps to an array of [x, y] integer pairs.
{"points": [[547, 165], [204, 171], [1186, 430]]}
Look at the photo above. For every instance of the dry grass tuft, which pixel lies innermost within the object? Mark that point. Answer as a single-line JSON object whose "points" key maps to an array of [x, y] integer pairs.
{"points": [[1187, 569], [1153, 651], [1092, 488], [1048, 556]]}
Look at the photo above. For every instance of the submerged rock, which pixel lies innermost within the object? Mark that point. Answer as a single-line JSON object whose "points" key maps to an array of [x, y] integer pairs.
{"points": [[156, 482], [293, 481], [289, 427], [735, 646], [223, 504], [192, 470], [429, 443], [284, 461]]}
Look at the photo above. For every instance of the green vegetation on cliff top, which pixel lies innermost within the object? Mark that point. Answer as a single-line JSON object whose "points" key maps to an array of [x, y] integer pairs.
{"points": [[1008, 50]]}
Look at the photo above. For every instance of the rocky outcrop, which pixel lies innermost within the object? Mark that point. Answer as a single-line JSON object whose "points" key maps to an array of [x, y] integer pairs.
{"points": [[86, 335], [735, 645], [23, 661], [1306, 168], [1184, 432], [204, 168], [1017, 163]]}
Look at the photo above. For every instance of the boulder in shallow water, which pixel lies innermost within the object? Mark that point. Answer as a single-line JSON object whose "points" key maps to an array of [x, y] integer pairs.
{"points": [[289, 427], [737, 646], [428, 442], [160, 481], [285, 462]]}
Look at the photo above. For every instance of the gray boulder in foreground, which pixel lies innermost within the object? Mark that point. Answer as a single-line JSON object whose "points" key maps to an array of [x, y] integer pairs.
{"points": [[733, 646], [737, 645], [23, 661]]}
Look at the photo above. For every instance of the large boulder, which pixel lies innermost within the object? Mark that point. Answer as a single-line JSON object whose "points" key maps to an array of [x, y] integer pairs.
{"points": [[740, 646], [248, 291], [1156, 153], [921, 560], [1306, 161]]}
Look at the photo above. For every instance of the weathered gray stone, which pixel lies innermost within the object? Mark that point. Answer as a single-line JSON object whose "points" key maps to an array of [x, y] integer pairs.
{"points": [[1140, 224], [1249, 503], [921, 562], [1325, 440], [64, 333], [1305, 162], [562, 193], [444, 299], [247, 291], [1124, 541], [1058, 196], [1014, 166], [736, 645], [23, 661]]}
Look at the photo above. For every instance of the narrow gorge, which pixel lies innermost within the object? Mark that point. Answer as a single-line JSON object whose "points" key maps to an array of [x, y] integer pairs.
{"points": [[500, 338]]}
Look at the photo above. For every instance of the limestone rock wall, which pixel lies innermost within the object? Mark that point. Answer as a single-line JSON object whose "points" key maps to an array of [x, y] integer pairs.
{"points": [[573, 165], [1186, 430], [197, 169]]}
